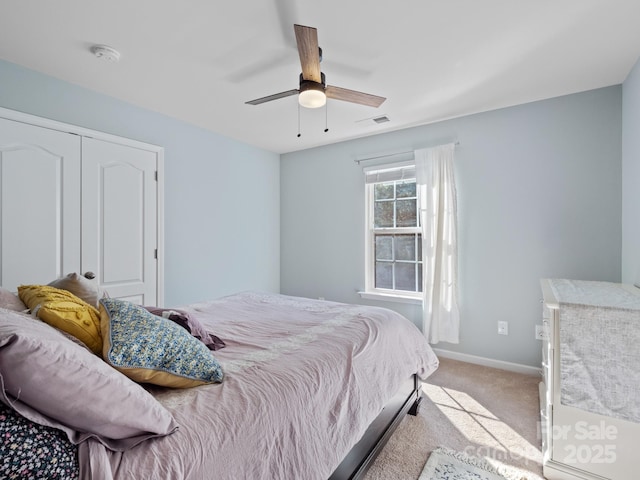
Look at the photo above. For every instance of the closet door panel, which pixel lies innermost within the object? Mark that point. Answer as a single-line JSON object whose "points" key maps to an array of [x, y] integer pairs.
{"points": [[119, 219], [39, 204]]}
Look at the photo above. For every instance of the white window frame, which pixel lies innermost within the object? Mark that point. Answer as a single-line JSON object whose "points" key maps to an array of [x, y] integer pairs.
{"points": [[370, 291]]}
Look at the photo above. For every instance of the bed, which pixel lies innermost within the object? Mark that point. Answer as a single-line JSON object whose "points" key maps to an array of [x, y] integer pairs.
{"points": [[310, 389]]}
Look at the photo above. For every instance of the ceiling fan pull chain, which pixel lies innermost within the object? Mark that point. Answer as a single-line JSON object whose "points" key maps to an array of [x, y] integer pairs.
{"points": [[326, 117], [299, 121]]}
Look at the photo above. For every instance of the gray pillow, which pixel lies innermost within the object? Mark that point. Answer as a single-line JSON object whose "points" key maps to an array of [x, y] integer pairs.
{"points": [[54, 382], [86, 289]]}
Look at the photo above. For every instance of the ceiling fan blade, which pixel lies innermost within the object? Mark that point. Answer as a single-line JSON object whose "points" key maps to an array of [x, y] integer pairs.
{"points": [[307, 40], [338, 93], [275, 96]]}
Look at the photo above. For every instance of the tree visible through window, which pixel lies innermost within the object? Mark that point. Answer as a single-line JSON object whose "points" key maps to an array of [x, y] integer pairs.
{"points": [[394, 236]]}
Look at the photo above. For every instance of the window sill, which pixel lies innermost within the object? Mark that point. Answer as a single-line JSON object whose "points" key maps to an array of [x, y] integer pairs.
{"points": [[386, 297]]}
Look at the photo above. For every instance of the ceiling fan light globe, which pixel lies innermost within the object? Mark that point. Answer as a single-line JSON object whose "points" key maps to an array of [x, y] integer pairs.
{"points": [[312, 98]]}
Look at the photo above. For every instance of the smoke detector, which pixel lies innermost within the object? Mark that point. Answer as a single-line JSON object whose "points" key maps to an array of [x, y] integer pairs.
{"points": [[106, 53]]}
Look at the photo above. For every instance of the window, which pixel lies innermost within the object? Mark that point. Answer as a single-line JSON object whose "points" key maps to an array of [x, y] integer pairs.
{"points": [[393, 238]]}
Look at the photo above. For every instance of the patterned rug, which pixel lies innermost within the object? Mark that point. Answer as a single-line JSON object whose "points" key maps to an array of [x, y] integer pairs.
{"points": [[446, 464]]}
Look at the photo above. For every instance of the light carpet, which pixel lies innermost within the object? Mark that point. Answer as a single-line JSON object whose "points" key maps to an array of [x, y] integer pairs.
{"points": [[481, 411], [447, 464]]}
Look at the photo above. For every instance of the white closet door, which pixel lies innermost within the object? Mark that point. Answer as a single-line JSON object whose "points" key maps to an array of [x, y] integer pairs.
{"points": [[119, 219], [39, 204]]}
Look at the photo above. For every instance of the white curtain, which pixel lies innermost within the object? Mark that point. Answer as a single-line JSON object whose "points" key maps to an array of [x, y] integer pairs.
{"points": [[438, 217]]}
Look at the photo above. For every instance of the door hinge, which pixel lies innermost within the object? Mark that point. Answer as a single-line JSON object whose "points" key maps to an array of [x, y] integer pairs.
{"points": [[156, 175], [155, 254]]}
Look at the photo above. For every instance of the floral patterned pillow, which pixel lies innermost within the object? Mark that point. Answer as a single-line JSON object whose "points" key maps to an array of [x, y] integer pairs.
{"points": [[151, 349], [30, 450]]}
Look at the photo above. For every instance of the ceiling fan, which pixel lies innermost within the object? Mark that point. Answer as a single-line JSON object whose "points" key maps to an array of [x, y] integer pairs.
{"points": [[313, 91]]}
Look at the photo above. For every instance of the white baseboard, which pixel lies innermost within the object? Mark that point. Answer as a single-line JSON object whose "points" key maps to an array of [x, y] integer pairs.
{"points": [[487, 362]]}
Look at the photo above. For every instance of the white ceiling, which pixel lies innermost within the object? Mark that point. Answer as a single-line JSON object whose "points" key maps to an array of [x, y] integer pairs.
{"points": [[200, 60]]}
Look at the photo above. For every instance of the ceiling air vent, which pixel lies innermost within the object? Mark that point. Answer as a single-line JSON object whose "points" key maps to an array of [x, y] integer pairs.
{"points": [[382, 119]]}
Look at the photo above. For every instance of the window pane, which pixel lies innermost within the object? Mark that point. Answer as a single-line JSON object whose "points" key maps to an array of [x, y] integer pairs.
{"points": [[398, 256], [383, 214], [384, 191], [405, 247], [406, 189], [406, 213], [384, 275], [384, 247], [406, 276]]}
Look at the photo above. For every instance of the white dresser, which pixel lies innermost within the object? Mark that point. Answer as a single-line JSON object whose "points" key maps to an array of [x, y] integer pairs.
{"points": [[590, 393]]}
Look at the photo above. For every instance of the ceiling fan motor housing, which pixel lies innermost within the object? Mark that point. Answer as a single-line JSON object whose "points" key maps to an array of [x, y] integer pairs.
{"points": [[312, 93], [310, 84]]}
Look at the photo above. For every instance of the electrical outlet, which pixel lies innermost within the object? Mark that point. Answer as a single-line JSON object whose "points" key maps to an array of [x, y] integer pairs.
{"points": [[503, 328], [541, 332]]}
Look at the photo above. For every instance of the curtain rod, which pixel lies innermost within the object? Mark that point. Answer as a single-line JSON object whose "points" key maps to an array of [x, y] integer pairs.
{"points": [[378, 157]]}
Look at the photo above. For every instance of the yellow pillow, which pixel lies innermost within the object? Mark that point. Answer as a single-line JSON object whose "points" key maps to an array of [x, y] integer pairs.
{"points": [[63, 310]]}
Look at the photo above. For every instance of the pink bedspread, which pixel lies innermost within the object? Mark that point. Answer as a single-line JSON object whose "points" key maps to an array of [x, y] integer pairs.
{"points": [[303, 380]]}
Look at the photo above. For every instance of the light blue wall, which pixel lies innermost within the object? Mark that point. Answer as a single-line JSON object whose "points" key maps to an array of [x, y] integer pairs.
{"points": [[631, 177], [538, 196], [222, 197]]}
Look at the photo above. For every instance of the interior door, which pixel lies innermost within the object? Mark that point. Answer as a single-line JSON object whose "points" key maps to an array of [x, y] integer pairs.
{"points": [[39, 204], [119, 219]]}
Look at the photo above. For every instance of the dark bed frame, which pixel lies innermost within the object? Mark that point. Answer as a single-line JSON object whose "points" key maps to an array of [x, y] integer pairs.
{"points": [[363, 453]]}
